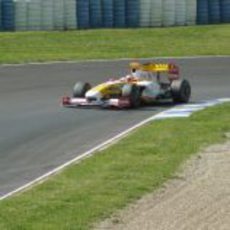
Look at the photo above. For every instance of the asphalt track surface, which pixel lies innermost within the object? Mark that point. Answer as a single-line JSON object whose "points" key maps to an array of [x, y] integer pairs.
{"points": [[37, 135]]}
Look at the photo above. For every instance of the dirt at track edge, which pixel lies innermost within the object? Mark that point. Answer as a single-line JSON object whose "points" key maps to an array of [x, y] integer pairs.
{"points": [[198, 198]]}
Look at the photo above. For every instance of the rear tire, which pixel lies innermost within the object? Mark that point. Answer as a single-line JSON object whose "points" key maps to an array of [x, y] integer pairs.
{"points": [[80, 89], [133, 93], [181, 91]]}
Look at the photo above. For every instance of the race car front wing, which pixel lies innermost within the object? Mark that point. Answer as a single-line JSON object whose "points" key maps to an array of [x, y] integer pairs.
{"points": [[122, 102]]}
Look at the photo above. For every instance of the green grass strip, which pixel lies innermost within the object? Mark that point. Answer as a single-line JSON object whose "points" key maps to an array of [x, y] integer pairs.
{"points": [[87, 192], [24, 47]]}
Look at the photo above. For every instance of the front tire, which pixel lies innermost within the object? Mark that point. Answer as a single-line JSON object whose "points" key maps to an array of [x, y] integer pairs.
{"points": [[80, 89], [181, 91]]}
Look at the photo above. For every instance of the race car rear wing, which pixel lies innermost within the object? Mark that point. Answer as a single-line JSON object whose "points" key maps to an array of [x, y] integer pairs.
{"points": [[169, 68]]}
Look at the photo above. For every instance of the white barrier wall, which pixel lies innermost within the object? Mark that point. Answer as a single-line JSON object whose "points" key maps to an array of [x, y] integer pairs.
{"points": [[20, 15], [169, 13], [191, 9], [58, 14], [145, 13], [47, 18], [156, 13], [70, 15], [34, 15], [180, 12]]}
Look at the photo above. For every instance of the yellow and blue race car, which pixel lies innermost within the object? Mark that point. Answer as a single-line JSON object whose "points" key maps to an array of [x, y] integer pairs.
{"points": [[143, 85]]}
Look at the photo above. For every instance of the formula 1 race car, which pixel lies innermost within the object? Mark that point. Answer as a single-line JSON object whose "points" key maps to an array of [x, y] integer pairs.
{"points": [[143, 85]]}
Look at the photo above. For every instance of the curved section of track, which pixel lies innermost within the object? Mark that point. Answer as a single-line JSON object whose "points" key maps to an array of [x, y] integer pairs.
{"points": [[37, 135]]}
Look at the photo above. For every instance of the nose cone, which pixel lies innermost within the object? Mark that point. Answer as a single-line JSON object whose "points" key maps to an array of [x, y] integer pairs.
{"points": [[93, 94]]}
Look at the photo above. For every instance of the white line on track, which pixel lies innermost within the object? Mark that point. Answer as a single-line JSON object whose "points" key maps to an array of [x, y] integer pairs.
{"points": [[113, 60], [78, 158], [177, 111]]}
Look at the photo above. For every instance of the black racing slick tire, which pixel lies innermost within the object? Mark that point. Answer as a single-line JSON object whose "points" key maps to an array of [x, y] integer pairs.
{"points": [[181, 91], [80, 89], [132, 92]]}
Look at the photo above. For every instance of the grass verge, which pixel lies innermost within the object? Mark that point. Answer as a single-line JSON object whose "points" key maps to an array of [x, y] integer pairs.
{"points": [[85, 193], [24, 47]]}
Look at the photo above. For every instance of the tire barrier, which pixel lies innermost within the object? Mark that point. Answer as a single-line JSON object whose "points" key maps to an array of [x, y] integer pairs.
{"points": [[145, 13], [95, 13], [225, 11], [191, 12], [83, 14], [8, 15], [180, 12], [107, 13], [214, 11], [0, 15], [169, 13], [47, 22], [70, 15], [58, 14], [20, 8], [34, 12], [202, 12], [119, 14], [156, 13], [33, 15], [132, 13]]}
